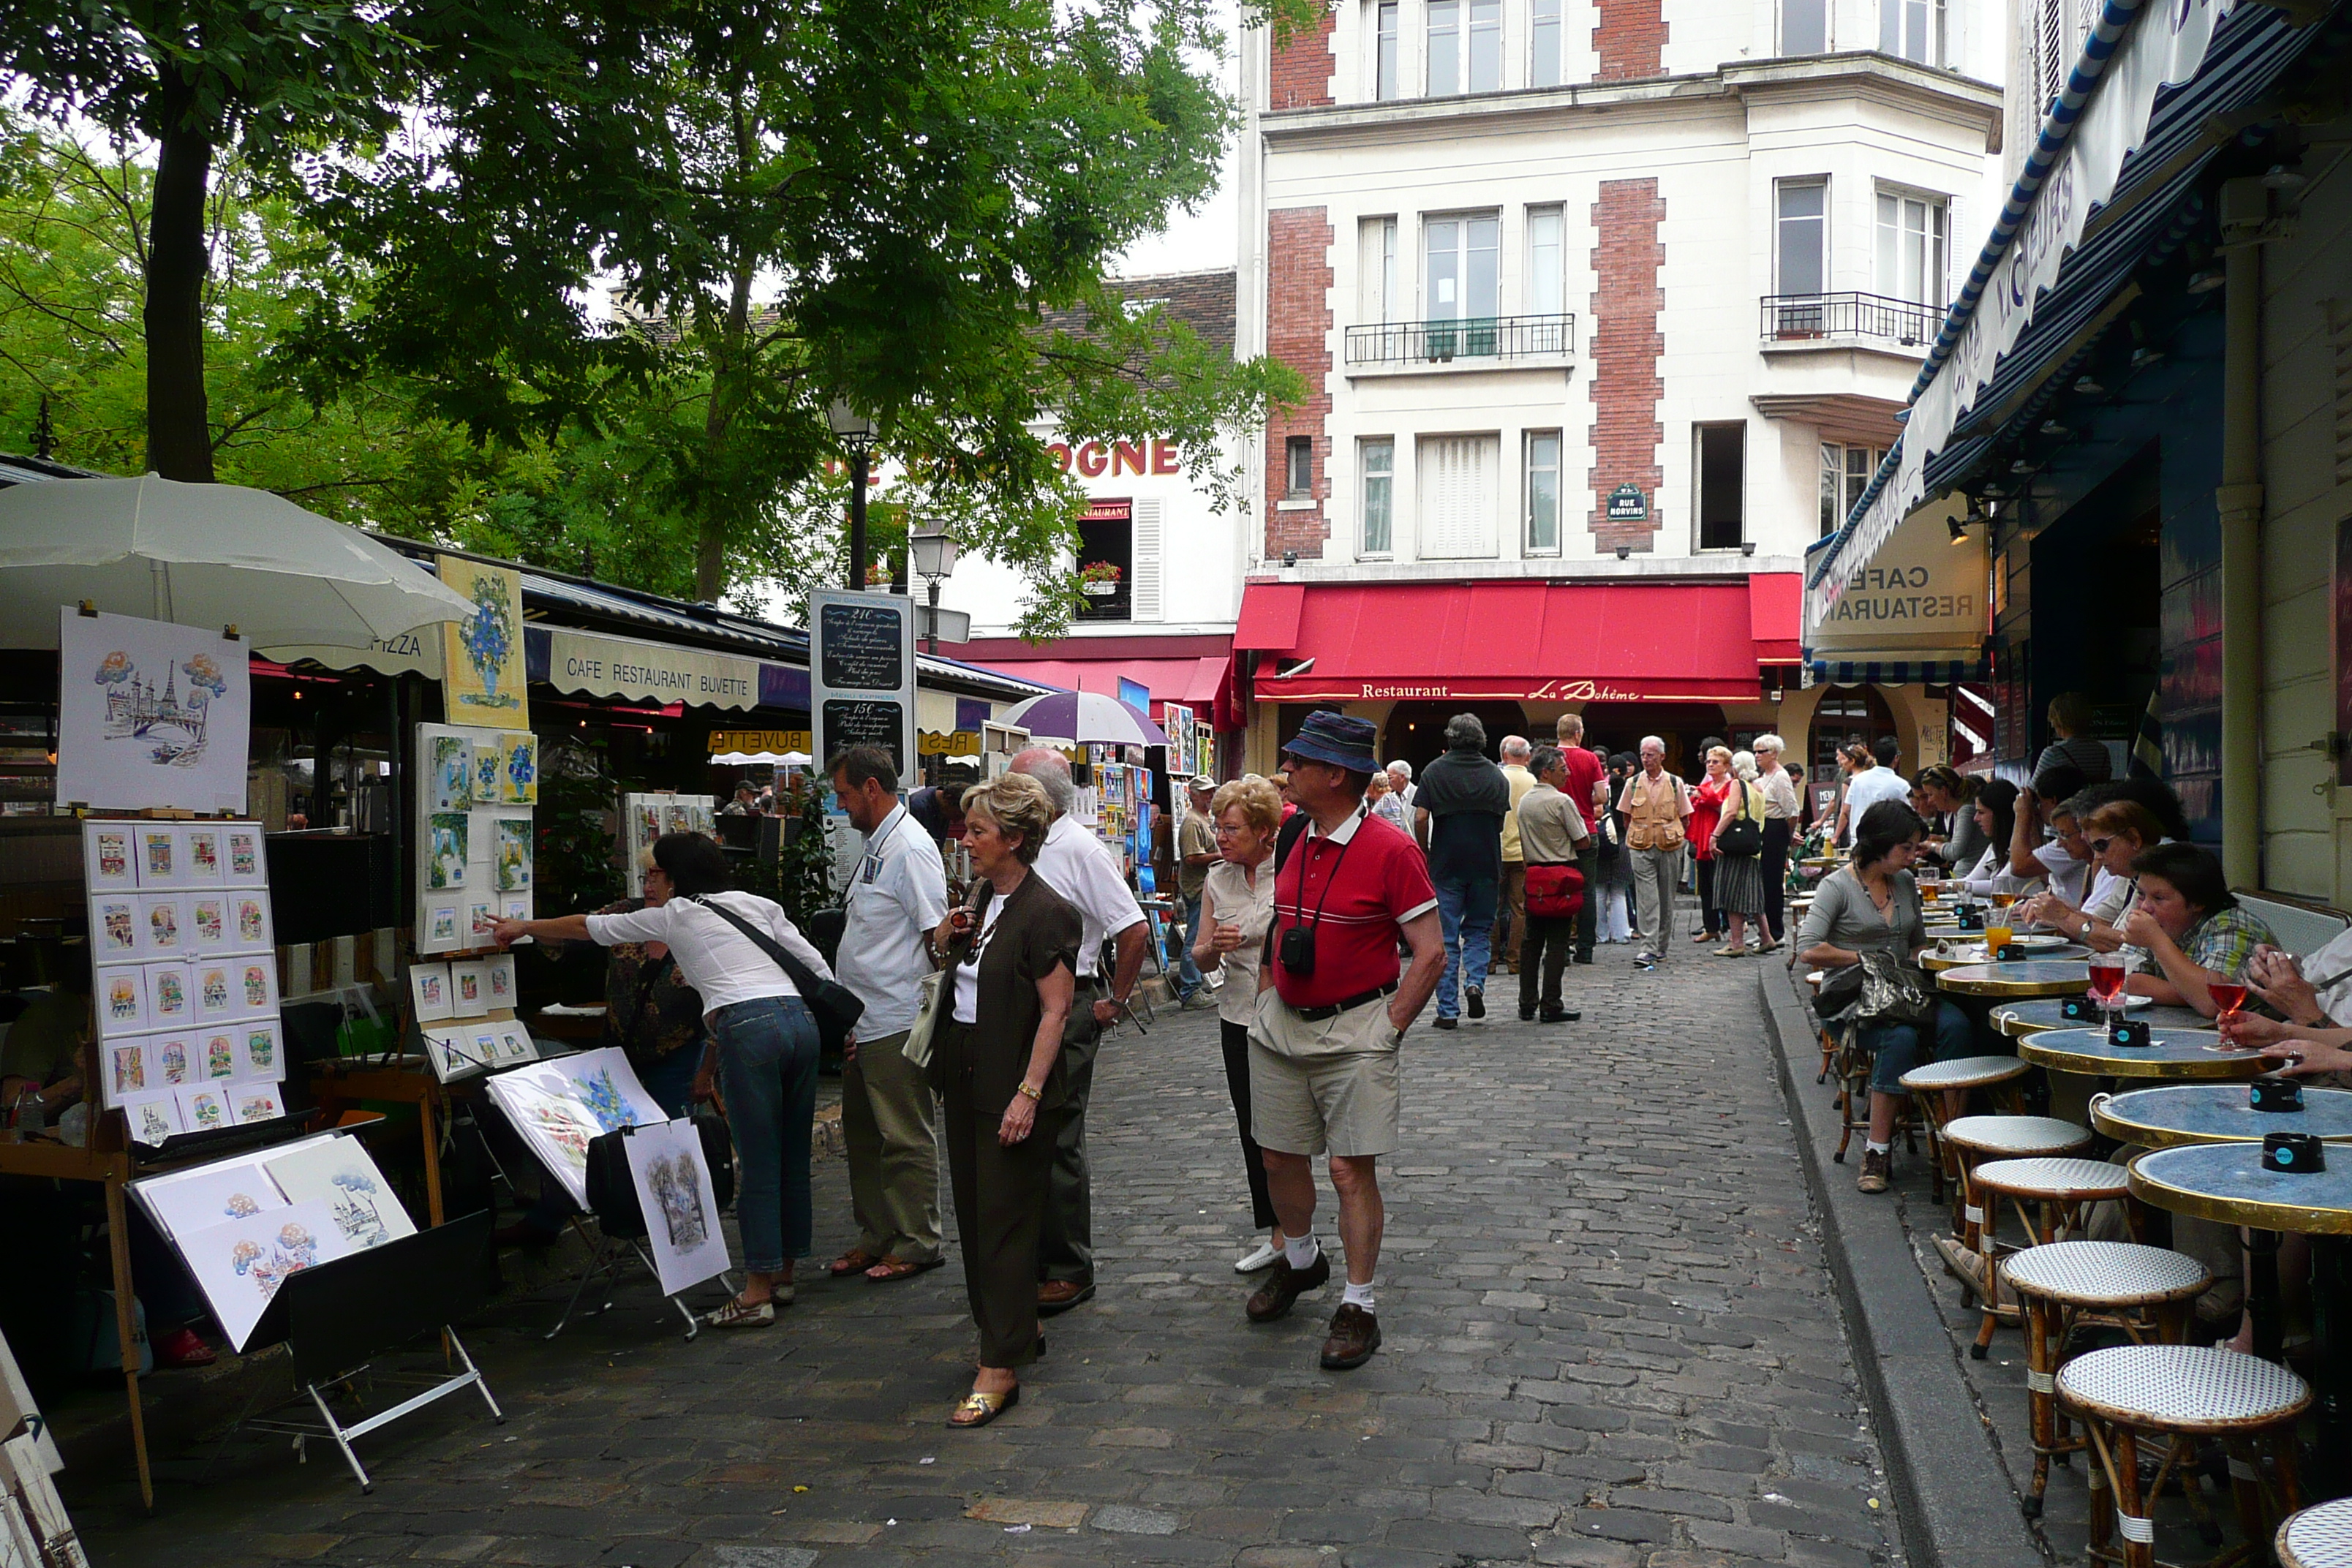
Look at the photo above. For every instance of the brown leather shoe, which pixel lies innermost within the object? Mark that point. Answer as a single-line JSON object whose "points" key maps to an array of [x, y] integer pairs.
{"points": [[1061, 1295], [1876, 1165], [1283, 1288], [1355, 1335]]}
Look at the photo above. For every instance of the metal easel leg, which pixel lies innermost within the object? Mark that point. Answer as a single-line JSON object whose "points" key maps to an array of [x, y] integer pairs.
{"points": [[481, 1382], [597, 1265], [335, 1429], [693, 1323]]}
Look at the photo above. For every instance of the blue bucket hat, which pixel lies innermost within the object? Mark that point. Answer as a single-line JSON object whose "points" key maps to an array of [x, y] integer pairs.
{"points": [[1341, 740]]}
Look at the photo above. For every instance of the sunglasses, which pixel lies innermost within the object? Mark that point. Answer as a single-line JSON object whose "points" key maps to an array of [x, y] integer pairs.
{"points": [[2098, 846]]}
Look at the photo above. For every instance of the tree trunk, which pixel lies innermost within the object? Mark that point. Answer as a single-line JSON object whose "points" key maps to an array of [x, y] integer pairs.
{"points": [[179, 429]]}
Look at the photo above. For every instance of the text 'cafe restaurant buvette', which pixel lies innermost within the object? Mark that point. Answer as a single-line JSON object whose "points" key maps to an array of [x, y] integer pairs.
{"points": [[1682, 660]]}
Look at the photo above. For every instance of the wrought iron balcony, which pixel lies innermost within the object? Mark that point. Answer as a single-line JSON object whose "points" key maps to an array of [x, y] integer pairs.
{"points": [[1472, 338], [1796, 318]]}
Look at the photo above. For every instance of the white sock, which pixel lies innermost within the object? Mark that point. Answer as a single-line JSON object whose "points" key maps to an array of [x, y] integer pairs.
{"points": [[1301, 1250], [1870, 1147], [1358, 1295]]}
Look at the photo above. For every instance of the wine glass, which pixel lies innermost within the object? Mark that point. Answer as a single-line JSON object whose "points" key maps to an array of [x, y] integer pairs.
{"points": [[2107, 983], [2229, 996]]}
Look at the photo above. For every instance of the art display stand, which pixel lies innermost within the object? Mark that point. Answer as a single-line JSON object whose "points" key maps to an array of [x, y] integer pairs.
{"points": [[336, 1317], [622, 1228]]}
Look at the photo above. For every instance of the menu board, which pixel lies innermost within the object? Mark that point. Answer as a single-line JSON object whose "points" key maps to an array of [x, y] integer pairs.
{"points": [[858, 646], [861, 721], [862, 675]]}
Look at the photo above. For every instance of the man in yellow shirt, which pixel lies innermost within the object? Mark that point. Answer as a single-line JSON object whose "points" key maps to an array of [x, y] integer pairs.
{"points": [[1511, 912]]}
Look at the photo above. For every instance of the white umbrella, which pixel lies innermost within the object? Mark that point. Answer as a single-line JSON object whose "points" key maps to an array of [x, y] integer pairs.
{"points": [[1087, 717], [203, 555]]}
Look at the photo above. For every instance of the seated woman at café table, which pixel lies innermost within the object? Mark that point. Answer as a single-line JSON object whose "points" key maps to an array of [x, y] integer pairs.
{"points": [[2046, 839], [1872, 904], [2114, 833], [1996, 816], [1951, 795], [2193, 929]]}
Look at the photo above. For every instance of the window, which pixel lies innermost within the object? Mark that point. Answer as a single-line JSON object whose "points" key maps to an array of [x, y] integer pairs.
{"points": [[1459, 495], [1107, 536], [1911, 248], [1912, 29], [1547, 278], [1845, 474], [1379, 481], [1804, 26], [1802, 236], [1722, 486], [1384, 49], [1376, 270], [1464, 268], [1542, 502], [1465, 52], [1544, 65], [1298, 467]]}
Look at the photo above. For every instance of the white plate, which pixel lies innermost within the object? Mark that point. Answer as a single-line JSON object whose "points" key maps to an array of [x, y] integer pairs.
{"points": [[2039, 942]]}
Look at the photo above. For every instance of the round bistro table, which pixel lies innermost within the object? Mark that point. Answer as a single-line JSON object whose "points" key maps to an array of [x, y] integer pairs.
{"points": [[2175, 1054], [2018, 1019], [2022, 978], [1934, 962], [2178, 1115]]}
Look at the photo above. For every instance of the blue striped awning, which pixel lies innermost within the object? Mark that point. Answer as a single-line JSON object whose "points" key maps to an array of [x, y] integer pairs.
{"points": [[1898, 672]]}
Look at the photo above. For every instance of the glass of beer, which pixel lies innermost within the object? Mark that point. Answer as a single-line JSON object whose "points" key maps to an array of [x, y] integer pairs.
{"points": [[1996, 938]]}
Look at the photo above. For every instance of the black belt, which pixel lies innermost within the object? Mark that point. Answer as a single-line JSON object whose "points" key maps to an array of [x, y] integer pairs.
{"points": [[1316, 1015]]}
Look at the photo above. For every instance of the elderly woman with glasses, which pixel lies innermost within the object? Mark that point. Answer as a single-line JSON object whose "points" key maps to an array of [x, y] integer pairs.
{"points": [[1784, 806], [2113, 834]]}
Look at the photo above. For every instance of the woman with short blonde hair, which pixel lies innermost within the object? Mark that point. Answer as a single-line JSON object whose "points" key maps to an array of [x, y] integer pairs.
{"points": [[1740, 878], [1784, 809], [1236, 906]]}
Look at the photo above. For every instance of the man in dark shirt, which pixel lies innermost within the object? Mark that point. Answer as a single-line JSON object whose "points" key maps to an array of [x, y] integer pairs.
{"points": [[1459, 812]]}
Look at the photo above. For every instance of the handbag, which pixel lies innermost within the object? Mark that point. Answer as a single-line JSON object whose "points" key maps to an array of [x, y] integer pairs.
{"points": [[934, 991], [1554, 892], [1743, 836], [1889, 993], [834, 1006]]}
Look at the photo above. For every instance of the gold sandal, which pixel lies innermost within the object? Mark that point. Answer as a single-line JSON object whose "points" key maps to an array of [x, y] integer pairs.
{"points": [[984, 1408]]}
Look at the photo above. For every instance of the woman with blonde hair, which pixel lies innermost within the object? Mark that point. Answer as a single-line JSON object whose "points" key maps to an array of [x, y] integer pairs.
{"points": [[1784, 809], [1739, 860], [1236, 906]]}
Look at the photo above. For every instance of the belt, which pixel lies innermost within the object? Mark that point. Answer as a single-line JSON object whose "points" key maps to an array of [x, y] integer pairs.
{"points": [[1345, 1004]]}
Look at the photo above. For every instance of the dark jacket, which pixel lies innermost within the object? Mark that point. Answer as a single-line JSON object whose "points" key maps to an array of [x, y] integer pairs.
{"points": [[1466, 797], [1038, 931]]}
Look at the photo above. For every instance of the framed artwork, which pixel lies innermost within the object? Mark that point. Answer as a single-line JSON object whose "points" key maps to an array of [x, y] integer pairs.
{"points": [[170, 1003], [482, 657], [676, 816], [151, 714], [250, 925], [447, 835], [470, 989], [518, 781], [121, 1001], [164, 923], [499, 974], [510, 850], [257, 1102], [254, 981], [246, 863], [203, 1108], [681, 1209], [217, 1055], [450, 1052], [109, 857], [338, 1174], [209, 924], [240, 1263], [481, 921], [450, 760], [158, 851], [259, 1056], [489, 769], [200, 857], [117, 926], [215, 983], [515, 1045], [428, 991], [124, 1063], [153, 1117], [438, 932], [171, 1060], [516, 907]]}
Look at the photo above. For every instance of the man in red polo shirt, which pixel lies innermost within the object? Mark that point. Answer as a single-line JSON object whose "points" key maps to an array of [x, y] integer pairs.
{"points": [[1588, 787], [1332, 1009]]}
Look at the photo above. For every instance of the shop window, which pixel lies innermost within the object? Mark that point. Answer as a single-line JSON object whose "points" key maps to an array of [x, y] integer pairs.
{"points": [[1465, 46], [1298, 467], [1912, 29], [1911, 248], [1845, 474], [1722, 486], [1384, 49], [1459, 484], [1107, 538], [1542, 500], [1804, 26], [1380, 490], [1544, 68]]}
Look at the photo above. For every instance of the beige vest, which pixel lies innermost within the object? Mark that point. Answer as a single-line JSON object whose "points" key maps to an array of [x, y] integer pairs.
{"points": [[1653, 819]]}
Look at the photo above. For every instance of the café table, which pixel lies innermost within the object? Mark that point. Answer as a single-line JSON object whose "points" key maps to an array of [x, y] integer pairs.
{"points": [[2176, 1114], [2018, 977], [2229, 1184], [1934, 960], [2169, 1053], [2018, 1019]]}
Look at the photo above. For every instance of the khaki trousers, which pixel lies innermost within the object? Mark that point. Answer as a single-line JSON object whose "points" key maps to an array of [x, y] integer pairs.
{"points": [[1511, 915], [889, 1125]]}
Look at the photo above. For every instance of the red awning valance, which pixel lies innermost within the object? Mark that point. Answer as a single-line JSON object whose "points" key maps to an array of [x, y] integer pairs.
{"points": [[1516, 640]]}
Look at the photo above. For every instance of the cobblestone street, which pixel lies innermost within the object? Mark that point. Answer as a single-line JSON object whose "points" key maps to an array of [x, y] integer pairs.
{"points": [[1610, 1341]]}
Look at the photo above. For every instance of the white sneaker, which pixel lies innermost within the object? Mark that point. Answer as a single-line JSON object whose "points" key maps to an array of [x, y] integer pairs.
{"points": [[1262, 1258]]}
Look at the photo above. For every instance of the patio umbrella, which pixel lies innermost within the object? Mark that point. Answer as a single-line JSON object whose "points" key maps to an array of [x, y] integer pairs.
{"points": [[1087, 717], [203, 555]]}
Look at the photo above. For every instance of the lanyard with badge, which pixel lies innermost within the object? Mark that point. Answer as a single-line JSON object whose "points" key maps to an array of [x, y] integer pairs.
{"points": [[870, 870], [1297, 947]]}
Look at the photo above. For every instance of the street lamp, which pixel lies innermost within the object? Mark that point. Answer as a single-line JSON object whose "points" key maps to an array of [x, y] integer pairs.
{"points": [[855, 431], [931, 555]]}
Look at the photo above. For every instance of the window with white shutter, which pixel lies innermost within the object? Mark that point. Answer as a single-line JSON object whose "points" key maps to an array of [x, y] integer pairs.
{"points": [[1144, 602], [1460, 496]]}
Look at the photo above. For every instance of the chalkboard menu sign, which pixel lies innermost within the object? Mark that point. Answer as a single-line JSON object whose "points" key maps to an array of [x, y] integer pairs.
{"points": [[862, 674], [858, 646]]}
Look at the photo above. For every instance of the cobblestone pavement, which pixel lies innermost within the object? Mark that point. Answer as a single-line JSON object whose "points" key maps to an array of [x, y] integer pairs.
{"points": [[1611, 1341]]}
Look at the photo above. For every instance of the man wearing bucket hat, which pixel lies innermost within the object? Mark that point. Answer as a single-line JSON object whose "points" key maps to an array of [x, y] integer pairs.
{"points": [[1333, 1010]]}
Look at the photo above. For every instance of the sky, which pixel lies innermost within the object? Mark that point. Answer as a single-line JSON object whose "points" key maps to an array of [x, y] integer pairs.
{"points": [[1197, 242]]}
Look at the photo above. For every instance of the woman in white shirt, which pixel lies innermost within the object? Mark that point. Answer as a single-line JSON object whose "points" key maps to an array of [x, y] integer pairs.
{"points": [[1783, 807], [762, 1045], [1236, 906], [1996, 808]]}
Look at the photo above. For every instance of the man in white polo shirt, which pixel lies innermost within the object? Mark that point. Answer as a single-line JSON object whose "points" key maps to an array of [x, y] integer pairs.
{"points": [[1078, 866], [887, 1118], [1867, 786]]}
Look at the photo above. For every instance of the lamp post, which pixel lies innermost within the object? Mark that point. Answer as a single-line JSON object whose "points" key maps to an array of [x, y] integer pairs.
{"points": [[855, 431], [931, 554]]}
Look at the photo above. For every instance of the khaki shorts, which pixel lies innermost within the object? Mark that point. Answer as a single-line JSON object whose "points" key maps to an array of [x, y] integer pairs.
{"points": [[1328, 1087]]}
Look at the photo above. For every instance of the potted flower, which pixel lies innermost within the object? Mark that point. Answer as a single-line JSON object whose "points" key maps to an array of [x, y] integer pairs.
{"points": [[1098, 579]]}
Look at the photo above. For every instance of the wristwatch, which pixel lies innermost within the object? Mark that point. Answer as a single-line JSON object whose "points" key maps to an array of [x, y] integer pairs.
{"points": [[1023, 1089]]}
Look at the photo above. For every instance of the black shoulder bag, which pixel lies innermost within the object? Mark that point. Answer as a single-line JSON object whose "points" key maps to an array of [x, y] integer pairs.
{"points": [[834, 1006], [1742, 840]]}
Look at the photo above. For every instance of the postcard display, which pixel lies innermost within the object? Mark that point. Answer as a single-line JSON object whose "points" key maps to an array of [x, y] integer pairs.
{"points": [[465, 1014], [186, 970], [476, 851], [646, 817]]}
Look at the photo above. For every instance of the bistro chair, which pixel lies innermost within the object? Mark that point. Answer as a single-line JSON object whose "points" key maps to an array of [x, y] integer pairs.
{"points": [[2068, 1285], [2317, 1537], [2048, 1193], [1973, 1139], [2172, 1396], [1930, 1081]]}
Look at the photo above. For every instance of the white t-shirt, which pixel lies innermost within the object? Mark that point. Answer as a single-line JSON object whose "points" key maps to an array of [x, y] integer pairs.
{"points": [[2330, 972], [1077, 865], [2067, 874], [967, 975], [1991, 874], [1867, 788], [897, 895], [720, 962]]}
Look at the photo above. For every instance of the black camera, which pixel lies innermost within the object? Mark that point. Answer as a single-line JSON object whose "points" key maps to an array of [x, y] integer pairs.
{"points": [[1298, 949]]}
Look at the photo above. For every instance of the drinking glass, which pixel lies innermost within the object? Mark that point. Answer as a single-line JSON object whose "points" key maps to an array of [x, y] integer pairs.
{"points": [[2108, 982], [1996, 938], [2229, 996]]}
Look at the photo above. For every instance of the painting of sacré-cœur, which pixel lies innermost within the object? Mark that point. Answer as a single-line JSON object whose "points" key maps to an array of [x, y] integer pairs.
{"points": [[151, 714], [338, 1174], [681, 1211]]}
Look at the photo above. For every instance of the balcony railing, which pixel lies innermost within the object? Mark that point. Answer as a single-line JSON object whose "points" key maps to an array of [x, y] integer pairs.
{"points": [[1476, 336], [1795, 318]]}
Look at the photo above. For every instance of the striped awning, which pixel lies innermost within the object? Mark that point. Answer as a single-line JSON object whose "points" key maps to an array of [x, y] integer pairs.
{"points": [[1897, 671]]}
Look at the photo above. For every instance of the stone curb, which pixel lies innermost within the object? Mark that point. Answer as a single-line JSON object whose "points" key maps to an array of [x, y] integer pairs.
{"points": [[1954, 1502]]}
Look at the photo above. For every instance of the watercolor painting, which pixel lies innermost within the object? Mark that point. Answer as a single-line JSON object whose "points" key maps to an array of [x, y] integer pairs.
{"points": [[515, 1044], [481, 920], [208, 920], [220, 1056], [428, 991], [258, 1102], [338, 1174], [117, 928], [203, 1110], [510, 851], [106, 856], [162, 925], [158, 858], [171, 1060], [559, 1106], [681, 1211], [168, 1001], [260, 1050], [488, 760], [520, 786], [212, 991], [127, 1069], [200, 851], [123, 1000], [190, 1200], [252, 920], [153, 1118], [469, 990], [450, 1054], [447, 835], [482, 657], [151, 714], [240, 1264], [452, 773], [499, 974], [244, 854], [258, 979], [441, 926], [515, 909]]}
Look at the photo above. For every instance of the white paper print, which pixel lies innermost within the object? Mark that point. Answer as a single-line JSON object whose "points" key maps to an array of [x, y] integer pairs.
{"points": [[243, 859], [169, 1001], [124, 1064], [212, 1195], [257, 1102], [158, 853], [153, 1117], [209, 923], [122, 1002], [481, 920], [557, 1107], [515, 1045], [203, 1107], [470, 989], [171, 1060], [163, 925], [107, 857], [451, 1053], [240, 1264], [681, 1211], [440, 930], [149, 715], [249, 923], [258, 1054], [202, 862], [116, 923], [338, 1174], [500, 974], [517, 908], [429, 991], [255, 986], [215, 981], [216, 1060]]}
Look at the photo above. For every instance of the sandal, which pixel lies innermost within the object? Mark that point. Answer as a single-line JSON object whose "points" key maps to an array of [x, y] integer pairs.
{"points": [[888, 1270], [736, 1315], [856, 1260], [979, 1409]]}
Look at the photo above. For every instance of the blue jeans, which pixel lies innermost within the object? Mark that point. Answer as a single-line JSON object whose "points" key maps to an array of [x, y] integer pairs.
{"points": [[1466, 913], [1188, 975], [1895, 1048], [767, 1070]]}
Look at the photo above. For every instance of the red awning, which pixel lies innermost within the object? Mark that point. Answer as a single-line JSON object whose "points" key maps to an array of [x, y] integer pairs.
{"points": [[1269, 618], [1776, 616], [1516, 640]]}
